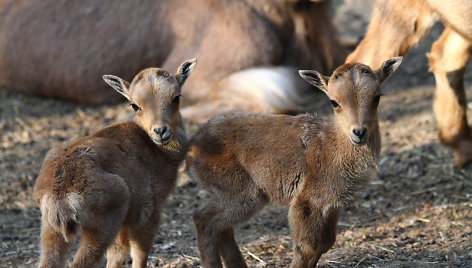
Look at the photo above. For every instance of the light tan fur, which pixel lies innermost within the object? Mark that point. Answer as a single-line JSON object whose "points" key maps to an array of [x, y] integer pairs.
{"points": [[398, 25], [113, 183], [312, 164]]}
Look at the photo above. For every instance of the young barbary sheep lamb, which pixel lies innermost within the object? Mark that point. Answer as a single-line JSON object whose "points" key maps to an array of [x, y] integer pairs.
{"points": [[113, 183], [312, 164]]}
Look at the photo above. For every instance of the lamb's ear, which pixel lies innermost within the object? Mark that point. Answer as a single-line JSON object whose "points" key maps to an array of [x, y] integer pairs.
{"points": [[387, 68], [315, 78], [184, 70], [118, 84]]}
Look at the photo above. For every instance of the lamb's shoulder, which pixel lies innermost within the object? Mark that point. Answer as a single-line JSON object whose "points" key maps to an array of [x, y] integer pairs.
{"points": [[316, 132]]}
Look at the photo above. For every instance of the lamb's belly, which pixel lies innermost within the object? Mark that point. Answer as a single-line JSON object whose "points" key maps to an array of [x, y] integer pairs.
{"points": [[279, 194]]}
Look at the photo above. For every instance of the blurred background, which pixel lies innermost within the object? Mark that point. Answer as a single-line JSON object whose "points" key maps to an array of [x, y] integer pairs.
{"points": [[417, 214]]}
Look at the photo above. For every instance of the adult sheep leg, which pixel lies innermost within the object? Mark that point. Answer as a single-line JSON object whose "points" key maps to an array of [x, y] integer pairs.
{"points": [[448, 59]]}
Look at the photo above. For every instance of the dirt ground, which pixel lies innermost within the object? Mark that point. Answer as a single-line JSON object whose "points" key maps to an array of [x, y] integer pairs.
{"points": [[418, 213]]}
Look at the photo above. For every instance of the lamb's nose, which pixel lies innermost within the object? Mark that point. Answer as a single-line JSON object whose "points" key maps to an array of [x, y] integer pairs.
{"points": [[360, 133], [161, 130]]}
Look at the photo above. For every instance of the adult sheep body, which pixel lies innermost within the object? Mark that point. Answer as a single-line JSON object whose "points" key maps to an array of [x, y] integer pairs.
{"points": [[61, 48], [397, 26]]}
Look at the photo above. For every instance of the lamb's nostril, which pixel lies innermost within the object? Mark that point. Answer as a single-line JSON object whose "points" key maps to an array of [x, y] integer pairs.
{"points": [[161, 130], [360, 133]]}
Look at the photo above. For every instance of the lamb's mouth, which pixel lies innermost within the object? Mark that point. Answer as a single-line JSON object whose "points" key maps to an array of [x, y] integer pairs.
{"points": [[163, 140], [360, 142]]}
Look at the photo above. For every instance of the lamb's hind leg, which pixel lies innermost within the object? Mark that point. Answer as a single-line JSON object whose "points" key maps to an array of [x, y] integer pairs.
{"points": [[207, 238], [96, 238], [103, 214], [53, 247], [141, 238], [448, 59], [313, 232], [214, 224], [119, 250]]}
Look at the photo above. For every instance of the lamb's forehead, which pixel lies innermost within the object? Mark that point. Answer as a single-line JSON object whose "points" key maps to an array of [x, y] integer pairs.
{"points": [[350, 67], [354, 76], [155, 79]]}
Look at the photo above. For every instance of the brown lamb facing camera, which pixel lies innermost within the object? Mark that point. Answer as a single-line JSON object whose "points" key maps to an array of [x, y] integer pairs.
{"points": [[311, 164], [113, 183]]}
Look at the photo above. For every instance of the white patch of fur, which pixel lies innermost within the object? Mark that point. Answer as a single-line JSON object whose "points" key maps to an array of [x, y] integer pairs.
{"points": [[74, 201], [326, 209], [57, 212], [270, 89]]}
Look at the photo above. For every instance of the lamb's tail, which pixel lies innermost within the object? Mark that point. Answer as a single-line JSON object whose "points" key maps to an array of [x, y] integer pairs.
{"points": [[62, 214], [267, 90]]}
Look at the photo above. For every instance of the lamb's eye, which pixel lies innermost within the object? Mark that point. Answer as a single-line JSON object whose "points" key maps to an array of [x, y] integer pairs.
{"points": [[377, 100], [176, 99], [135, 107], [334, 104]]}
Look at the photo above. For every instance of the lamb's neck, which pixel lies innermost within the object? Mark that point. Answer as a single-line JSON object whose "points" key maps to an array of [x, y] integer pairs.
{"points": [[179, 144], [177, 147], [353, 166]]}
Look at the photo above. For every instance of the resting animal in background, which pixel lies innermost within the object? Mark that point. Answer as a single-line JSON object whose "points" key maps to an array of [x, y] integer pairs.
{"points": [[398, 25], [248, 50], [113, 183], [311, 164]]}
